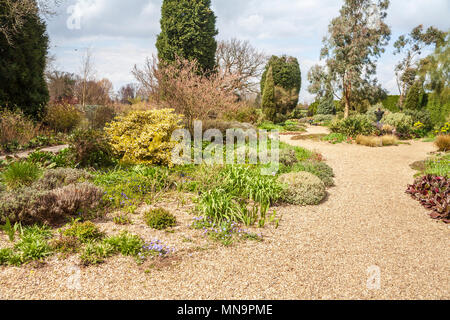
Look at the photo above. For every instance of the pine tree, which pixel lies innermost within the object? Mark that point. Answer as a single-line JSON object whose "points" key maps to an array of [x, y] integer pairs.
{"points": [[268, 97], [326, 104], [414, 96], [188, 28], [22, 65]]}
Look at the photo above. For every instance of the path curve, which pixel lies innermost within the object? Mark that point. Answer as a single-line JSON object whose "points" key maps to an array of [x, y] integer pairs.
{"points": [[320, 252]]}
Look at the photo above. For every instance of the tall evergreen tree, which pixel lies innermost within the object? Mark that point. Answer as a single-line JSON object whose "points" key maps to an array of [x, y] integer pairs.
{"points": [[268, 97], [188, 28], [22, 64], [287, 80]]}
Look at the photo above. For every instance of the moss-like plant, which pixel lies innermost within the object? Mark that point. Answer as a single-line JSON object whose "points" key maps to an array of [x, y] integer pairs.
{"points": [[160, 219]]}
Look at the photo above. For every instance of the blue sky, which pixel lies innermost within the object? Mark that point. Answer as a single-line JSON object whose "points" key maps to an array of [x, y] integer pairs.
{"points": [[121, 33]]}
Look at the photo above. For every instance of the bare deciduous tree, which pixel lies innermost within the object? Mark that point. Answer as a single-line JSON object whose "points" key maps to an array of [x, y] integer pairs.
{"points": [[179, 86], [87, 74], [239, 58], [18, 10]]}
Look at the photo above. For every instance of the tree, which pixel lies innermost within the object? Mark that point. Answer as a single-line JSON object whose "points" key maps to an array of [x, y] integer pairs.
{"points": [[127, 93], [326, 104], [180, 86], [416, 97], [12, 20], [188, 28], [240, 58], [61, 86], [287, 82], [412, 46], [356, 38], [435, 71], [87, 74], [22, 67], [268, 97]]}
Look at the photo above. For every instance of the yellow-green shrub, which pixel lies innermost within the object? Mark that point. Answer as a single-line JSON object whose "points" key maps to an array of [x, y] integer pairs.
{"points": [[62, 117], [144, 137]]}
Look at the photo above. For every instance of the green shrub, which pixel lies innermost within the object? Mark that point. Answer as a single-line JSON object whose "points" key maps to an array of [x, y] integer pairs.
{"points": [[15, 130], [391, 103], [422, 116], [334, 138], [89, 148], [320, 169], [62, 117], [160, 219], [84, 231], [127, 244], [33, 205], [247, 114], [95, 253], [302, 188], [402, 123], [353, 126], [144, 137], [288, 157], [323, 118], [19, 174]]}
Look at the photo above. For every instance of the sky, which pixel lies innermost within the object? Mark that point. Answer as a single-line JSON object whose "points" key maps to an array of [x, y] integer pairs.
{"points": [[121, 34]]}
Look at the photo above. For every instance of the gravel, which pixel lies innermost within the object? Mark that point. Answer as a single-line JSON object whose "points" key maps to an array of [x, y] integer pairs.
{"points": [[319, 252]]}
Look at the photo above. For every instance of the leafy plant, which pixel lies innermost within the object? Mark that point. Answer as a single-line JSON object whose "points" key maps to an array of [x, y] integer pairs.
{"points": [[433, 192], [144, 137], [160, 219], [127, 244], [84, 231], [335, 138], [11, 230], [62, 117], [353, 126]]}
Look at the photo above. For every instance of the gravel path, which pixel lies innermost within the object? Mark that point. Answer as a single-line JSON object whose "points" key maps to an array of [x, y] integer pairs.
{"points": [[320, 252], [24, 154]]}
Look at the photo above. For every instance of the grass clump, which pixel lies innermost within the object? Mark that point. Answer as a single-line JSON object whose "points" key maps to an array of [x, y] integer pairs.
{"points": [[373, 141], [302, 188], [442, 142], [19, 174], [160, 219]]}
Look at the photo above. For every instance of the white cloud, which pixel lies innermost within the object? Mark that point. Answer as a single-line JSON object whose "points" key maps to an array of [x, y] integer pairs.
{"points": [[122, 33]]}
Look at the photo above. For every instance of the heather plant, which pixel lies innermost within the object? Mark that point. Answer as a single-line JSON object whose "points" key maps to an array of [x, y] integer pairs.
{"points": [[61, 177], [31, 205], [160, 219], [302, 188], [19, 174], [144, 137]]}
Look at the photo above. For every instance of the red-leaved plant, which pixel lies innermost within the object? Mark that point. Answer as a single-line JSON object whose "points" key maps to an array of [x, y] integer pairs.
{"points": [[434, 194]]}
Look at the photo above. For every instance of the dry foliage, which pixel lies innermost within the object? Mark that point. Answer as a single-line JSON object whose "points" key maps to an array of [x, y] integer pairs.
{"points": [[373, 141], [443, 142], [180, 86], [16, 128]]}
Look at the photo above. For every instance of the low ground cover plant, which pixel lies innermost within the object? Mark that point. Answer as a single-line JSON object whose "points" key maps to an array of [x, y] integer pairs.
{"points": [[159, 219], [433, 192], [302, 188]]}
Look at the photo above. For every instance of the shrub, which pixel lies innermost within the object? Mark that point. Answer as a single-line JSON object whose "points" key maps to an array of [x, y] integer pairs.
{"points": [[334, 138], [403, 124], [89, 148], [288, 157], [20, 173], [84, 231], [144, 137], [15, 130], [126, 244], [99, 116], [62, 117], [58, 178], [32, 205], [302, 188], [433, 193], [160, 219], [320, 169], [246, 114], [422, 116], [353, 126], [443, 142]]}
